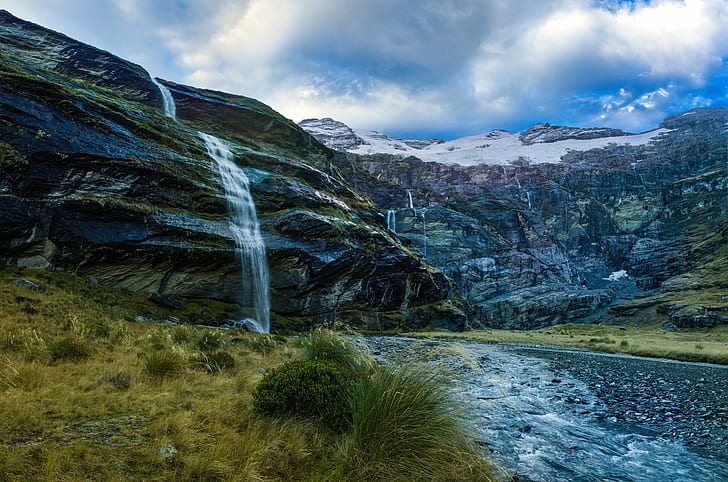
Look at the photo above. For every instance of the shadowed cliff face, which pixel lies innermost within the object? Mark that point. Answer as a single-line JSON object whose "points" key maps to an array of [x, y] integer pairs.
{"points": [[95, 181], [534, 245]]}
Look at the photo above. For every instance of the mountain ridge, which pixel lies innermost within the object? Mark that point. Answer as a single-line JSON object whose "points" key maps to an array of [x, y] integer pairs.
{"points": [[541, 143]]}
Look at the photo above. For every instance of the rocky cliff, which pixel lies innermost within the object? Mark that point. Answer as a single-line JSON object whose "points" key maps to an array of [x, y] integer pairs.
{"points": [[598, 225], [96, 181]]}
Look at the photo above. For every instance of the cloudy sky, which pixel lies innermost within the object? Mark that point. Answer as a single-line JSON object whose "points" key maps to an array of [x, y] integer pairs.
{"points": [[424, 68]]}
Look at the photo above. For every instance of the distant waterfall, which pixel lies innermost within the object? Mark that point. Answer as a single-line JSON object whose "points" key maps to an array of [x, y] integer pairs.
{"points": [[409, 197], [170, 109], [424, 233], [528, 197], [246, 231], [392, 221]]}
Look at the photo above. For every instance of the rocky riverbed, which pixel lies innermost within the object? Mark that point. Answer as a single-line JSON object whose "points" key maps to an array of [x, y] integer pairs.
{"points": [[554, 414], [676, 400]]}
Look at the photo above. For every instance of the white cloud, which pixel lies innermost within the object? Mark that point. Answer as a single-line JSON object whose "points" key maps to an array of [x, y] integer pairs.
{"points": [[461, 66]]}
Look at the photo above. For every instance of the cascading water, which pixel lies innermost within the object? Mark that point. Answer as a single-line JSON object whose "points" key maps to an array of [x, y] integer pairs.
{"points": [[409, 198], [170, 109], [392, 221], [246, 232], [424, 233]]}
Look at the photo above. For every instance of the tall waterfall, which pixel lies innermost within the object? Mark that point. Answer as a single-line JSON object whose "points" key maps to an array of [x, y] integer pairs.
{"points": [[170, 110], [409, 198], [392, 221], [246, 231]]}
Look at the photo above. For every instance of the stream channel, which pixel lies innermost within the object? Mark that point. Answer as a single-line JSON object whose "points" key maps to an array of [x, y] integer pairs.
{"points": [[556, 414]]}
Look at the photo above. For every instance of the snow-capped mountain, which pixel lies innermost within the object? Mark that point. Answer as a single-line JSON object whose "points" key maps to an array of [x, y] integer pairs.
{"points": [[542, 143]]}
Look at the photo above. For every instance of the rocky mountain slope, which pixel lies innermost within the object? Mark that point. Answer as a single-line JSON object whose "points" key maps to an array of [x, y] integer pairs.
{"points": [[96, 181], [560, 224]]}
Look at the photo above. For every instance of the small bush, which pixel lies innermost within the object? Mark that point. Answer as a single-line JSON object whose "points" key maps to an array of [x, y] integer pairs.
{"points": [[96, 330], [265, 343], [181, 334], [310, 389], [208, 340], [216, 361], [162, 364], [70, 349], [119, 380], [324, 344]]}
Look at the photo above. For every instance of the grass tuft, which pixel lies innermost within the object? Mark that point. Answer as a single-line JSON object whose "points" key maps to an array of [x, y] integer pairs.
{"points": [[69, 349], [162, 363], [408, 426], [323, 344]]}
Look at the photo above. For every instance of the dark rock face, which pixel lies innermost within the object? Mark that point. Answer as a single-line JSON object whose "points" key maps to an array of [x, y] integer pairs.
{"points": [[95, 181], [534, 245]]}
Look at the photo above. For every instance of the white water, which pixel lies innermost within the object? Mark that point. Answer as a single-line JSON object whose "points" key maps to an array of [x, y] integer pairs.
{"points": [[424, 234], [246, 232], [170, 109], [392, 221], [409, 197], [546, 431]]}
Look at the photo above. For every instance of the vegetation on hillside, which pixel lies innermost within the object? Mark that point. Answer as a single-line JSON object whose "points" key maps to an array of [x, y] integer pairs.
{"points": [[87, 392]]}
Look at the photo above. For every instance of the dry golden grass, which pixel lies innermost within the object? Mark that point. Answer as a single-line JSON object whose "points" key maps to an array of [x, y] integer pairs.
{"points": [[105, 415], [709, 346]]}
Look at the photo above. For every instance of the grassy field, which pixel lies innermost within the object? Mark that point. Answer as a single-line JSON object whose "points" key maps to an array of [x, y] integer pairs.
{"points": [[709, 346], [87, 393]]}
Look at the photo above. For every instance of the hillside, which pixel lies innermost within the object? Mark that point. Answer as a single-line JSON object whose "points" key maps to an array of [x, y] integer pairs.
{"points": [[96, 181]]}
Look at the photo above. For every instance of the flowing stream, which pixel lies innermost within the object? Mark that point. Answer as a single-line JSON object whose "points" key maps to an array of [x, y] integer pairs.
{"points": [[246, 232], [542, 423]]}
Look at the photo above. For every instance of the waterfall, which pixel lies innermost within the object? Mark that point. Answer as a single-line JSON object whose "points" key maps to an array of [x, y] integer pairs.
{"points": [[246, 232], [528, 197], [392, 221], [424, 234], [409, 198], [170, 110]]}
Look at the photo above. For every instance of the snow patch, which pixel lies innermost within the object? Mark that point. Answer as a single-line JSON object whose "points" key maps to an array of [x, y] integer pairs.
{"points": [[617, 275]]}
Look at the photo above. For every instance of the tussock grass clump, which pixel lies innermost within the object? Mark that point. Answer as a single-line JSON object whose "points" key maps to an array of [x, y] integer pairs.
{"points": [[324, 344], [118, 380], [70, 349], [265, 343], [315, 389], [162, 363], [216, 361], [96, 330], [208, 340], [408, 426]]}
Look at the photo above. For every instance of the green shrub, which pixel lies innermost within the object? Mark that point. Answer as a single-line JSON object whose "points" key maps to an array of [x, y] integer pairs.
{"points": [[408, 426], [163, 363], [69, 348], [310, 389], [96, 330], [324, 344], [216, 361]]}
